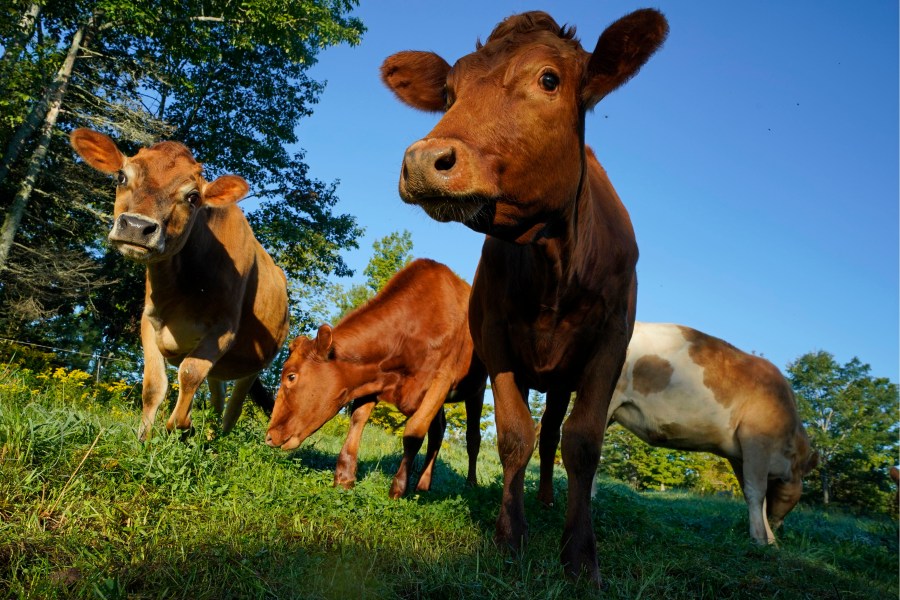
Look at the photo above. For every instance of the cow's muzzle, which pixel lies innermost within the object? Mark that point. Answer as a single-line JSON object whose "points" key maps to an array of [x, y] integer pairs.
{"points": [[137, 236], [447, 178]]}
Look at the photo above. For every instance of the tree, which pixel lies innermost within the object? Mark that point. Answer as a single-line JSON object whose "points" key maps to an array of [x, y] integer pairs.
{"points": [[851, 418], [144, 71], [390, 254]]}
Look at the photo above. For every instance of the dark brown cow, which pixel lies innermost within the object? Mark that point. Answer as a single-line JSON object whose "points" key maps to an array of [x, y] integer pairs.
{"points": [[554, 296], [215, 302], [408, 346], [683, 389]]}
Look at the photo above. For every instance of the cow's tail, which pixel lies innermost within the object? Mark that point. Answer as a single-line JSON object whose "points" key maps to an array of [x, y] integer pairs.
{"points": [[262, 397]]}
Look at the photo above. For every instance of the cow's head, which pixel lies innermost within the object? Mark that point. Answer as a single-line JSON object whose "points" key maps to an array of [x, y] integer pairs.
{"points": [[312, 390], [159, 192], [507, 157], [783, 496]]}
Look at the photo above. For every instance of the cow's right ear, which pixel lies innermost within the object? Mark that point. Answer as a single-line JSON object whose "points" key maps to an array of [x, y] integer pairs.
{"points": [[325, 342], [418, 79], [97, 150]]}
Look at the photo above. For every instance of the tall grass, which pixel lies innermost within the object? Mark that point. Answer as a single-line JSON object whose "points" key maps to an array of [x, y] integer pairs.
{"points": [[88, 512]]}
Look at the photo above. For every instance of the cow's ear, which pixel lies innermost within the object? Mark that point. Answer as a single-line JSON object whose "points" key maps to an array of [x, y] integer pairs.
{"points": [[325, 342], [227, 189], [97, 150], [418, 79], [295, 343], [621, 51]]}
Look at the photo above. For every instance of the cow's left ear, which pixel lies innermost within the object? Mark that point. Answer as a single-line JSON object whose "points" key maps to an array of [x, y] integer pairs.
{"points": [[417, 78], [227, 189], [621, 51], [325, 342]]}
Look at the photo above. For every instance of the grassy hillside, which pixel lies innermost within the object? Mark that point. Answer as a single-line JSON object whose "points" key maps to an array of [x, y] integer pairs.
{"points": [[87, 512]]}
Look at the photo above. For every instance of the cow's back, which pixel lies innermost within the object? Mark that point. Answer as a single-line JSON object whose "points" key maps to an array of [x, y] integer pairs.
{"points": [[681, 388], [417, 324]]}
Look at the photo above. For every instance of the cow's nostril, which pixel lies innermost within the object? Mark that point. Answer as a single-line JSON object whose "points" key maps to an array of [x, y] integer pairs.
{"points": [[149, 230], [445, 160]]}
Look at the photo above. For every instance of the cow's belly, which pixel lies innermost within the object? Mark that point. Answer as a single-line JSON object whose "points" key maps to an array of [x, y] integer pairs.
{"points": [[686, 419]]}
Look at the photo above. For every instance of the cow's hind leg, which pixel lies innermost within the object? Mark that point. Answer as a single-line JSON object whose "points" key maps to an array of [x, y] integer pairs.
{"points": [[435, 438], [216, 395], [548, 441], [474, 408], [345, 471], [236, 402]]}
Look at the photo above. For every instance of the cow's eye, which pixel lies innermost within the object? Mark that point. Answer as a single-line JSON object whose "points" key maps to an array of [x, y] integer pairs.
{"points": [[121, 179], [549, 82], [292, 377], [193, 198]]}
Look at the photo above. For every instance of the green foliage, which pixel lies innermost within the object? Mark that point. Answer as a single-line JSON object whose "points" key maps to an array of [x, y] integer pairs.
{"points": [[86, 511], [852, 420], [152, 70], [389, 254]]}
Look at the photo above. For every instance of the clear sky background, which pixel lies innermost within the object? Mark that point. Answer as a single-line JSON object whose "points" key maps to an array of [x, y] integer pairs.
{"points": [[757, 153]]}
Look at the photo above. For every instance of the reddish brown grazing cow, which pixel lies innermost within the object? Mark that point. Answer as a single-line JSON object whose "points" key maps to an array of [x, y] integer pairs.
{"points": [[409, 346], [215, 302], [683, 389], [553, 300]]}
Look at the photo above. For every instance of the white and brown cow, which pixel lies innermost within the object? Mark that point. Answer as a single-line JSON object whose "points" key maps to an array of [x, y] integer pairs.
{"points": [[686, 390], [215, 302]]}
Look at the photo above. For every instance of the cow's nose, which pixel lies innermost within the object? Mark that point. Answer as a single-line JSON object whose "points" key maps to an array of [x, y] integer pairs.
{"points": [[269, 440], [140, 226], [426, 166]]}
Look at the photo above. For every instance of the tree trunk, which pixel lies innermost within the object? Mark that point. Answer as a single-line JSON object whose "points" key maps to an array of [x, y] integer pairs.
{"points": [[53, 102], [14, 50], [826, 495]]}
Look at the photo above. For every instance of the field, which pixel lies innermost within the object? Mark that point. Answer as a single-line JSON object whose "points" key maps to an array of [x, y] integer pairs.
{"points": [[88, 512]]}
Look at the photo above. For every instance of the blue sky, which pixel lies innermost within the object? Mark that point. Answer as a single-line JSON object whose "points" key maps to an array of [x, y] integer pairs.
{"points": [[757, 153]]}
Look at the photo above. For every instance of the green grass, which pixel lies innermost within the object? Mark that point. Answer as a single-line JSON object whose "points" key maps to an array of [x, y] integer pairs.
{"points": [[88, 512]]}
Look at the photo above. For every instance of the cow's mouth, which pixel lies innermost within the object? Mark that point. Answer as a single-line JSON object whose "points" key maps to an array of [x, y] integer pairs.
{"points": [[136, 252], [291, 443]]}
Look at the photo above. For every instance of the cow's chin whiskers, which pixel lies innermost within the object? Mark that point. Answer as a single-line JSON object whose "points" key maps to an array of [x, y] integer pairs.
{"points": [[461, 209]]}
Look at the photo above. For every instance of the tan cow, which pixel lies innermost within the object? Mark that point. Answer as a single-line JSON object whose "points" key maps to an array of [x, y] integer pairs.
{"points": [[686, 390], [215, 302]]}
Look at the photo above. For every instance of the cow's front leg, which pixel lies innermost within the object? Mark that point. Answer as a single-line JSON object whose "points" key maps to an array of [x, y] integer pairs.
{"points": [[548, 442], [192, 371], [156, 383], [582, 438], [345, 472], [515, 443], [755, 476], [415, 430]]}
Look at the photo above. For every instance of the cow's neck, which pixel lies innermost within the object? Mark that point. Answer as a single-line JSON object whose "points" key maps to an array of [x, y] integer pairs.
{"points": [[187, 272], [362, 348], [578, 245]]}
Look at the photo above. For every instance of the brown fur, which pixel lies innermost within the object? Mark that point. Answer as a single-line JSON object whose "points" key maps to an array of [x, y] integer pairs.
{"points": [[215, 302], [652, 374], [409, 346], [554, 295]]}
